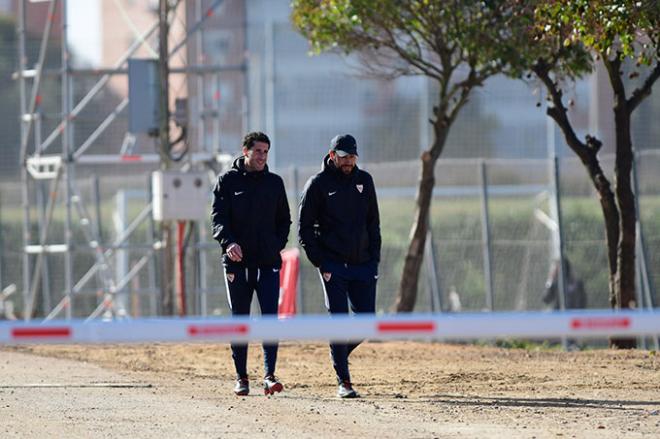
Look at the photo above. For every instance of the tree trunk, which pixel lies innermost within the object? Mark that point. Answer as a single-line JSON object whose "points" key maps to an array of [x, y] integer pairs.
{"points": [[624, 286], [610, 214], [407, 295], [415, 256]]}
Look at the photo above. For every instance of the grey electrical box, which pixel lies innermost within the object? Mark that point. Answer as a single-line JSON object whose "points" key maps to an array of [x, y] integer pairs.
{"points": [[143, 96], [180, 195]]}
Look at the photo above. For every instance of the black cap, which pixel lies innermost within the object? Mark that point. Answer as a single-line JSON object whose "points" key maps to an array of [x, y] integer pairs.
{"points": [[344, 144]]}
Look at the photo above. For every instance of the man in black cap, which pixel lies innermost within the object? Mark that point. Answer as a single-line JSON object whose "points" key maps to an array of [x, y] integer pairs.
{"points": [[251, 222], [339, 228]]}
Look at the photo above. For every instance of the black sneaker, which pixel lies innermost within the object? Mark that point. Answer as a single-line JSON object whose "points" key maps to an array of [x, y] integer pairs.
{"points": [[242, 387], [272, 385], [346, 390]]}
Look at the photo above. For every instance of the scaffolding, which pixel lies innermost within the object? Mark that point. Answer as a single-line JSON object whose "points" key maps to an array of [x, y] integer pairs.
{"points": [[50, 179]]}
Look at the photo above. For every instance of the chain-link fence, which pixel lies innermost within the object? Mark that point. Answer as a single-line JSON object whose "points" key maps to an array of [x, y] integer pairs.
{"points": [[513, 204]]}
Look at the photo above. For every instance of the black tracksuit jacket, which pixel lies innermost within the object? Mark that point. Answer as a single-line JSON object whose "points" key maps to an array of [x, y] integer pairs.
{"points": [[339, 218], [251, 209]]}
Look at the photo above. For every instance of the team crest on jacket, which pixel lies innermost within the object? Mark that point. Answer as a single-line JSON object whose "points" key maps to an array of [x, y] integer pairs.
{"points": [[327, 276], [230, 277], [359, 187]]}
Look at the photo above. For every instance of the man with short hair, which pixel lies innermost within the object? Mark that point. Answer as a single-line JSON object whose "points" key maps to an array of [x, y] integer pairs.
{"points": [[251, 221], [339, 228]]}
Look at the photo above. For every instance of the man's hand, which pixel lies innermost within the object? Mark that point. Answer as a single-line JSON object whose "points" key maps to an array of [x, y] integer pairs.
{"points": [[234, 252]]}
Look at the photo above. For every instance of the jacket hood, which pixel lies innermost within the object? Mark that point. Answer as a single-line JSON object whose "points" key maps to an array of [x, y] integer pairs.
{"points": [[239, 165], [329, 166]]}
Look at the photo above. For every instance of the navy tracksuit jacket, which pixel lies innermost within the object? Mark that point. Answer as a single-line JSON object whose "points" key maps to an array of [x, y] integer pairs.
{"points": [[251, 209], [339, 228]]}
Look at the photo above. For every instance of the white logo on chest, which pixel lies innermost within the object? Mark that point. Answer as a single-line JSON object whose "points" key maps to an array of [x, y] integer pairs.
{"points": [[238, 193], [331, 193], [359, 187], [230, 277]]}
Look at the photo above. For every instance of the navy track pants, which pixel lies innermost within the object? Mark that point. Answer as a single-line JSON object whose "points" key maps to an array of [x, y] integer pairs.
{"points": [[241, 284], [345, 286]]}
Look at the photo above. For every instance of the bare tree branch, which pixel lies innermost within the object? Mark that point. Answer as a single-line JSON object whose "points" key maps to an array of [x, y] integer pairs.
{"points": [[613, 67], [418, 62], [645, 90], [558, 111]]}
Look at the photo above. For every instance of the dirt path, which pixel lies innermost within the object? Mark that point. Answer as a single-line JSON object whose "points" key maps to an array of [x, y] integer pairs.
{"points": [[409, 390]]}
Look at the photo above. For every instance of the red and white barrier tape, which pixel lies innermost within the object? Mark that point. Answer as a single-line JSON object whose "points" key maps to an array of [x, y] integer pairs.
{"points": [[463, 326]]}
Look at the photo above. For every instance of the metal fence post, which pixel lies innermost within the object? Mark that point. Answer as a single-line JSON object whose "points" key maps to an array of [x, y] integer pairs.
{"points": [[485, 237], [430, 258], [271, 107], [293, 172], [202, 268], [561, 280], [152, 269], [561, 283]]}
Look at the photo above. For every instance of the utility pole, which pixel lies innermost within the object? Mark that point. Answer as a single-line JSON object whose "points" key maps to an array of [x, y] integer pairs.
{"points": [[167, 241]]}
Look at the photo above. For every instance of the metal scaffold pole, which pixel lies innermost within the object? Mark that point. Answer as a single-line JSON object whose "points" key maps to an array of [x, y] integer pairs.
{"points": [[67, 163], [167, 258], [22, 62]]}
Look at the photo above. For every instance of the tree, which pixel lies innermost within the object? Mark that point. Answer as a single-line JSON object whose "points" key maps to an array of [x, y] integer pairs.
{"points": [[566, 38], [457, 44]]}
